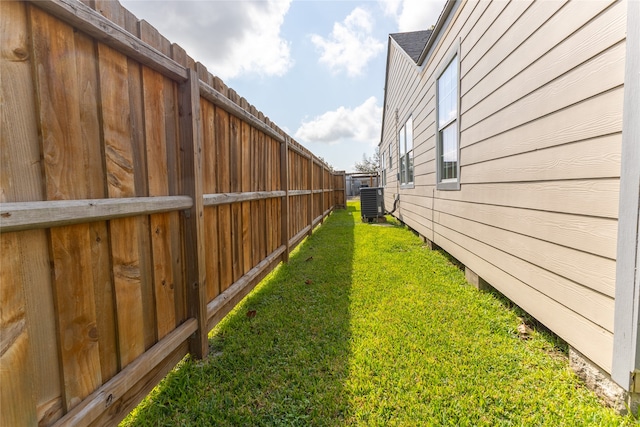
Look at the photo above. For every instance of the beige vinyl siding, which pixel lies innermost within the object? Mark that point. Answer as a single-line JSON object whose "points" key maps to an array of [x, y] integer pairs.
{"points": [[590, 118], [540, 131]]}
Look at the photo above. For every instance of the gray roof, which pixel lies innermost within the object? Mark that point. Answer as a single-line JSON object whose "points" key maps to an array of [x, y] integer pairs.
{"points": [[412, 42]]}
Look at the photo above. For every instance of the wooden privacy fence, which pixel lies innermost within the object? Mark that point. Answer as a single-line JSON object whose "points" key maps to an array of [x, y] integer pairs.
{"points": [[141, 200]]}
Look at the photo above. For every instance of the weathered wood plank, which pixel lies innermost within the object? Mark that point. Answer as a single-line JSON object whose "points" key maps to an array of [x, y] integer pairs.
{"points": [[224, 185], [295, 240], [235, 185], [275, 203], [171, 121], [299, 192], [21, 180], [191, 184], [300, 151], [219, 99], [132, 396], [323, 203], [254, 205], [262, 186], [104, 398], [136, 111], [58, 95], [20, 175], [137, 150], [316, 221], [155, 120], [77, 327], [268, 226], [236, 242], [209, 186], [106, 31], [19, 216], [173, 161], [17, 397], [246, 168], [126, 232], [87, 69], [212, 252], [219, 307], [284, 202]]}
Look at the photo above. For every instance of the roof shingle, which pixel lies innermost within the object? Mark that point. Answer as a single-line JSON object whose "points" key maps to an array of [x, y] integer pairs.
{"points": [[412, 42]]}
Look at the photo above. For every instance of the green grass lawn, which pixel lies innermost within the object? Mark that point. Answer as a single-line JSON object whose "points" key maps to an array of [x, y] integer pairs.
{"points": [[367, 326]]}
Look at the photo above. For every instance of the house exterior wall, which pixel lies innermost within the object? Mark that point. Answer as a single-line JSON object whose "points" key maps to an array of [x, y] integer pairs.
{"points": [[540, 102]]}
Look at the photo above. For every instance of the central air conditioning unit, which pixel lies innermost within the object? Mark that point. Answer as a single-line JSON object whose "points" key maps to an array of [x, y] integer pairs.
{"points": [[371, 203]]}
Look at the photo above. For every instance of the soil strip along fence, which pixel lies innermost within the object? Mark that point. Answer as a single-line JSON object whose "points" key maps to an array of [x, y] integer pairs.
{"points": [[141, 200]]}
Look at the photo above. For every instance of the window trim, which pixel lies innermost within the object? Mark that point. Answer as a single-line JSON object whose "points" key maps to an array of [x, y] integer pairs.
{"points": [[450, 183], [403, 158], [383, 169]]}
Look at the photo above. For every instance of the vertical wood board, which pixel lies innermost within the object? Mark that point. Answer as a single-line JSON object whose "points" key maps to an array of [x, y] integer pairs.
{"points": [[64, 152], [125, 233], [21, 180]]}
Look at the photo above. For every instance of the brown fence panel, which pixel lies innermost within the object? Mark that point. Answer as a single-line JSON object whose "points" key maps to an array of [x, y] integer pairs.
{"points": [[142, 200]]}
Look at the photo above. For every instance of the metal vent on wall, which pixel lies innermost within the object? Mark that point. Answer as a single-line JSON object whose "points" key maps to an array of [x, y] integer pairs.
{"points": [[371, 203]]}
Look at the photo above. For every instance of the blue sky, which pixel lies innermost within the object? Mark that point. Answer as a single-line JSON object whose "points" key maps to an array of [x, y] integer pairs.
{"points": [[314, 67]]}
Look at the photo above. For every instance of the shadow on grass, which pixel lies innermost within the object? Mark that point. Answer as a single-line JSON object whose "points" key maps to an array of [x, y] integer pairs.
{"points": [[282, 356]]}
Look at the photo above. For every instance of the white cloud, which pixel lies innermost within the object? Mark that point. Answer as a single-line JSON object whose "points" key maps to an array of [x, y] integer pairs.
{"points": [[390, 7], [350, 45], [413, 15], [361, 123], [231, 38]]}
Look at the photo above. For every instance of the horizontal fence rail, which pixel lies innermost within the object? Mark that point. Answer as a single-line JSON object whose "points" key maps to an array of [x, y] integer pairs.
{"points": [[55, 213], [228, 198], [141, 200]]}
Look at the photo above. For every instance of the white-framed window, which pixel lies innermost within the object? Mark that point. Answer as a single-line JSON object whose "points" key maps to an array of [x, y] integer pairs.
{"points": [[390, 158], [405, 150], [447, 118], [383, 170]]}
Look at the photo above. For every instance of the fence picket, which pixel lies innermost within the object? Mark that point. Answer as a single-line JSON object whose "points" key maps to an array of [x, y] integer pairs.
{"points": [[59, 96], [28, 367]]}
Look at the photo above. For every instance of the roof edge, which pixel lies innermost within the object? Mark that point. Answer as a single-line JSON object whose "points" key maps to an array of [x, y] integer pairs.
{"points": [[448, 7]]}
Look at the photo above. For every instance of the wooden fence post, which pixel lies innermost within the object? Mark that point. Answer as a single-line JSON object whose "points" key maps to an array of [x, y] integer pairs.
{"points": [[310, 186], [284, 183], [322, 202], [193, 219]]}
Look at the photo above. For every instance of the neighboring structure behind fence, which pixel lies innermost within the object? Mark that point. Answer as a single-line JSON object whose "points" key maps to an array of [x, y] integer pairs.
{"points": [[141, 200], [355, 181]]}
